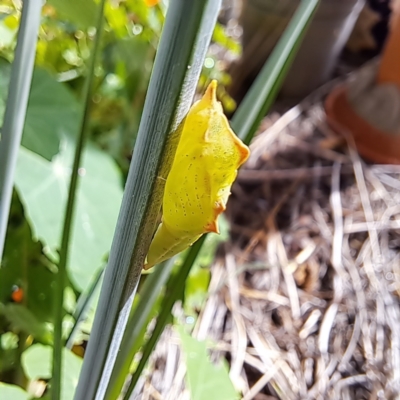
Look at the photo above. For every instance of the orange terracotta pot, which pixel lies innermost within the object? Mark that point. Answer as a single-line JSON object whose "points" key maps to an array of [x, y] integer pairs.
{"points": [[389, 70], [372, 143]]}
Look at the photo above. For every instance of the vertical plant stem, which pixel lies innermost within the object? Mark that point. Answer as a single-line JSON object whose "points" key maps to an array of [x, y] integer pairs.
{"points": [[17, 101], [69, 213], [186, 35]]}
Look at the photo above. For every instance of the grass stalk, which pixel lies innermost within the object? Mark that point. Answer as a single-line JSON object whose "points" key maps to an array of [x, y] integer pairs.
{"points": [[69, 212]]}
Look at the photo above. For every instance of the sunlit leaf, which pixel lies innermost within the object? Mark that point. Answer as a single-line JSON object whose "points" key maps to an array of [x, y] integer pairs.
{"points": [[7, 33], [12, 392], [36, 362], [43, 189], [52, 114], [204, 378], [196, 288]]}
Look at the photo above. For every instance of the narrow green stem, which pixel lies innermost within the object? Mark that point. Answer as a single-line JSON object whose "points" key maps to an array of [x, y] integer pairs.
{"points": [[69, 214]]}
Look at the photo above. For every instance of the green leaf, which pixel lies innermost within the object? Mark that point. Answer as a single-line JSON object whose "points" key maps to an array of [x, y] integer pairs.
{"points": [[12, 392], [196, 289], [23, 320], [36, 362], [81, 13], [9, 341], [203, 377], [43, 189], [53, 113]]}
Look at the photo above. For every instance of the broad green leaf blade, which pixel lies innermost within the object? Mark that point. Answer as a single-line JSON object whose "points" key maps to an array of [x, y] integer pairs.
{"points": [[265, 88], [12, 392], [181, 52], [52, 115], [36, 362], [204, 378], [52, 112], [81, 13], [43, 190]]}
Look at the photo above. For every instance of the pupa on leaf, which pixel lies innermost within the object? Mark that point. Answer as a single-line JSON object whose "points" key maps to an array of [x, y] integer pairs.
{"points": [[199, 182]]}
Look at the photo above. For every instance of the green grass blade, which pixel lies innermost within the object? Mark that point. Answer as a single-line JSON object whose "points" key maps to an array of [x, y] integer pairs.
{"points": [[265, 88], [181, 52], [69, 212], [17, 101], [136, 327], [174, 292]]}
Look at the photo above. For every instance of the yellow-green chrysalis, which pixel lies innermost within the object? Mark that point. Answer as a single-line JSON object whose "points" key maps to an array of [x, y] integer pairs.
{"points": [[198, 185]]}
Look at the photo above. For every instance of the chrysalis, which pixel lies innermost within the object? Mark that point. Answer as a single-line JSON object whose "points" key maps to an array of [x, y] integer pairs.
{"points": [[198, 185]]}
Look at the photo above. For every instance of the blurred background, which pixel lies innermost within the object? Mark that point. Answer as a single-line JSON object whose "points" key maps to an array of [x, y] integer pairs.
{"points": [[299, 295]]}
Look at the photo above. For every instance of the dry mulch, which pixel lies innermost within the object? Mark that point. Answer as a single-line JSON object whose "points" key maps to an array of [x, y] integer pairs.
{"points": [[305, 302]]}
